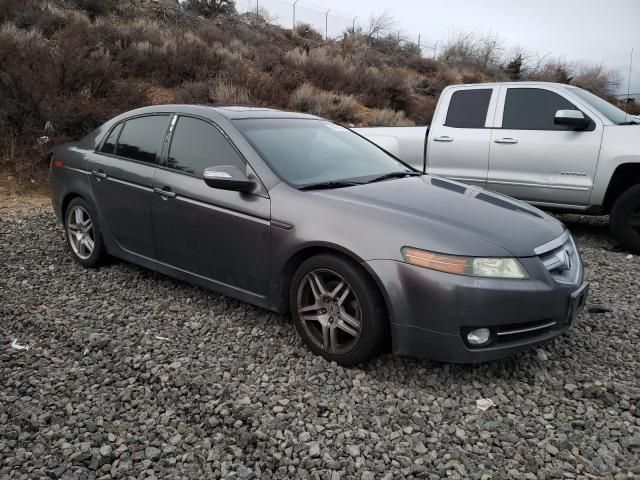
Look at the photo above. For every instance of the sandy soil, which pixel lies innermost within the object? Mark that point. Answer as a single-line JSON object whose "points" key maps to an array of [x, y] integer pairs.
{"points": [[21, 198]]}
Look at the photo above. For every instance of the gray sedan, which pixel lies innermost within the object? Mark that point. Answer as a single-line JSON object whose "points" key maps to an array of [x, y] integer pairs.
{"points": [[296, 214]]}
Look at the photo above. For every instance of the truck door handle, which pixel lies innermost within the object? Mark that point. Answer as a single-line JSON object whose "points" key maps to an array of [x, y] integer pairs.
{"points": [[98, 174], [507, 140], [164, 193], [443, 139]]}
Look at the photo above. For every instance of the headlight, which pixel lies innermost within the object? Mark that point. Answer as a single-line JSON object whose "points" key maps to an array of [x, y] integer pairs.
{"points": [[475, 267]]}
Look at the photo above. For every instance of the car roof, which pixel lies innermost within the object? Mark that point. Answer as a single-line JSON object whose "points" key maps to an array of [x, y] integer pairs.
{"points": [[231, 112]]}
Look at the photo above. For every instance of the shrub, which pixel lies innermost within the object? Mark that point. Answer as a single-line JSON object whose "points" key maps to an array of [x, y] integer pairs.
{"points": [[193, 92], [389, 118], [306, 31], [344, 108], [226, 93], [210, 8]]}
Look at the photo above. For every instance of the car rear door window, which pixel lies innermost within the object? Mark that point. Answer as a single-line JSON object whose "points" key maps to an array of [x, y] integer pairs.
{"points": [[468, 108], [141, 137], [533, 109], [109, 145], [197, 145]]}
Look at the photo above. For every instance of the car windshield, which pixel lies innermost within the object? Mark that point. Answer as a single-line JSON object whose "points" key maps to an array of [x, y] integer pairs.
{"points": [[612, 112], [308, 152]]}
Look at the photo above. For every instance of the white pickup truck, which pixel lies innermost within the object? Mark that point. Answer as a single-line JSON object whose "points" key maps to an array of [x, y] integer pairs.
{"points": [[553, 145]]}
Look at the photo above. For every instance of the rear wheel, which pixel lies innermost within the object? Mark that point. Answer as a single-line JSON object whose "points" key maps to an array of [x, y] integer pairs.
{"points": [[338, 310], [625, 219], [83, 234]]}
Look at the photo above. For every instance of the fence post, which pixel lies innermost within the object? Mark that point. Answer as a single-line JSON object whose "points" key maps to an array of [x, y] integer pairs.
{"points": [[419, 42], [353, 25], [294, 14], [326, 25], [435, 49], [257, 9]]}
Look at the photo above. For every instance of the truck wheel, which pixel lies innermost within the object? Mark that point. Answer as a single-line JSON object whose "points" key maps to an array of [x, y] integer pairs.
{"points": [[338, 310], [625, 219]]}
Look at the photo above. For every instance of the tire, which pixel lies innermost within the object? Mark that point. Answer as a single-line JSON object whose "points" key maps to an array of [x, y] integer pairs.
{"points": [[83, 238], [625, 219], [345, 301]]}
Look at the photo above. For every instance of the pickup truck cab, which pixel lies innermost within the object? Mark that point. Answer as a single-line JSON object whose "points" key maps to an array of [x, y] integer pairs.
{"points": [[553, 145]]}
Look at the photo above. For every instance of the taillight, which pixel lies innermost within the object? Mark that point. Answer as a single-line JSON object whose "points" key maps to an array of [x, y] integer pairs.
{"points": [[57, 163]]}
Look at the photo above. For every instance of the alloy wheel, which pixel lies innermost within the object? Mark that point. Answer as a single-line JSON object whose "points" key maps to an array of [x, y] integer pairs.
{"points": [[80, 232], [329, 311]]}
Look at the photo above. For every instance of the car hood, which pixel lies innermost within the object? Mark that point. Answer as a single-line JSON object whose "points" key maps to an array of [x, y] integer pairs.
{"points": [[446, 216]]}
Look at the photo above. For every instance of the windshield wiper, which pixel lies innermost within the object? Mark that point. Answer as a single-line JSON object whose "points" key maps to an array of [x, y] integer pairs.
{"points": [[630, 122], [389, 176], [329, 185]]}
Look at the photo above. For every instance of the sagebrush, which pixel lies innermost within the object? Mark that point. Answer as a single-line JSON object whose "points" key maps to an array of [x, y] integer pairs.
{"points": [[69, 65]]}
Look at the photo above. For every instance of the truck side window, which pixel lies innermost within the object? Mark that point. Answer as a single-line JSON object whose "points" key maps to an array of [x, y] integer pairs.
{"points": [[533, 109], [468, 108]]}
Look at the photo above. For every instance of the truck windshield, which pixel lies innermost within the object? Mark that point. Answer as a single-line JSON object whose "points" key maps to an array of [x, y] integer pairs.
{"points": [[308, 152], [612, 112]]}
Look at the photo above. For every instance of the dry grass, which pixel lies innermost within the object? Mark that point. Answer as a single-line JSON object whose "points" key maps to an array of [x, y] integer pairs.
{"points": [[66, 66], [343, 108], [389, 118]]}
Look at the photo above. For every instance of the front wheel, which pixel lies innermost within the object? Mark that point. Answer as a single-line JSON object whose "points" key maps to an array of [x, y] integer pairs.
{"points": [[83, 234], [625, 219], [338, 310]]}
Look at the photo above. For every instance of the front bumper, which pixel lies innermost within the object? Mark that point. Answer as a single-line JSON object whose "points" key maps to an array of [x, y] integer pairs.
{"points": [[431, 312]]}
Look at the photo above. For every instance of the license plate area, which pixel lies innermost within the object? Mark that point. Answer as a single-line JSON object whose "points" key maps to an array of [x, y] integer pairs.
{"points": [[577, 302]]}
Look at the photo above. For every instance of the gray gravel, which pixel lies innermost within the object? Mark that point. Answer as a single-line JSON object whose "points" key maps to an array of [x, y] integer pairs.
{"points": [[130, 374]]}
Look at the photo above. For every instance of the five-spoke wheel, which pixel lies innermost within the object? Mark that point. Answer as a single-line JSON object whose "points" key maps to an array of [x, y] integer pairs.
{"points": [[329, 310], [338, 310], [82, 233]]}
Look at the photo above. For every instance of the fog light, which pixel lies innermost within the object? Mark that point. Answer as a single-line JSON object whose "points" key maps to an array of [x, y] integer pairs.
{"points": [[479, 336]]}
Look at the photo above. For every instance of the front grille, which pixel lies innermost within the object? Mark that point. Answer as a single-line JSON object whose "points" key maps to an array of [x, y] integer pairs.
{"points": [[560, 257], [510, 334], [519, 331]]}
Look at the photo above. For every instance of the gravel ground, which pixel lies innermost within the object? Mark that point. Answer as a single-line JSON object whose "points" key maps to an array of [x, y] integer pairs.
{"points": [[130, 374]]}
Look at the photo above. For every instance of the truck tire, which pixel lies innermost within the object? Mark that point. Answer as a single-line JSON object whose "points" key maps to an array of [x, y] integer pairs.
{"points": [[625, 219]]}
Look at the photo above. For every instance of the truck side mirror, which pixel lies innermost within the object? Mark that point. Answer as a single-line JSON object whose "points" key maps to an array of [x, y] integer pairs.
{"points": [[574, 119]]}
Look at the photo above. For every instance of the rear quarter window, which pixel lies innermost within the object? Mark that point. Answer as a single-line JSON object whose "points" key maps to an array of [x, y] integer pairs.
{"points": [[141, 137]]}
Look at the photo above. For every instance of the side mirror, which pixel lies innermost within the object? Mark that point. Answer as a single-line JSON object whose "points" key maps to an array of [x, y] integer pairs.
{"points": [[574, 119], [227, 177]]}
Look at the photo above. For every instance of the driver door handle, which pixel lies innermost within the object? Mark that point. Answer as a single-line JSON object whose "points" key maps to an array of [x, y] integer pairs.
{"points": [[164, 193], [98, 174], [507, 140], [444, 138]]}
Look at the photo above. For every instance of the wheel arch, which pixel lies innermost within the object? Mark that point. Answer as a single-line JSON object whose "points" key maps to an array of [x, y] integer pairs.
{"points": [[66, 200], [310, 250], [625, 176]]}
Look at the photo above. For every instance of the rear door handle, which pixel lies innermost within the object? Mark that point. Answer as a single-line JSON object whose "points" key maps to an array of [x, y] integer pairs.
{"points": [[164, 193], [443, 139], [98, 174], [507, 140]]}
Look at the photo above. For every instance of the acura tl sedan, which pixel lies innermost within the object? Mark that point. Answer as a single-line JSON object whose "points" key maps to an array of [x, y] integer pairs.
{"points": [[296, 214]]}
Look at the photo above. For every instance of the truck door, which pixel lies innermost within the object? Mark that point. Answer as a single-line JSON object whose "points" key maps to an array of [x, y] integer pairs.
{"points": [[460, 134], [535, 160]]}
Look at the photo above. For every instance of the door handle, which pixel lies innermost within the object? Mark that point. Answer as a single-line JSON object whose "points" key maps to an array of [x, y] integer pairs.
{"points": [[164, 193], [98, 174], [507, 140], [443, 139]]}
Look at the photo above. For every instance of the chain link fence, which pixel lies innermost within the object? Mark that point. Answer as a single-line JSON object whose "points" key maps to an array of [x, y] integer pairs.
{"points": [[330, 23]]}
